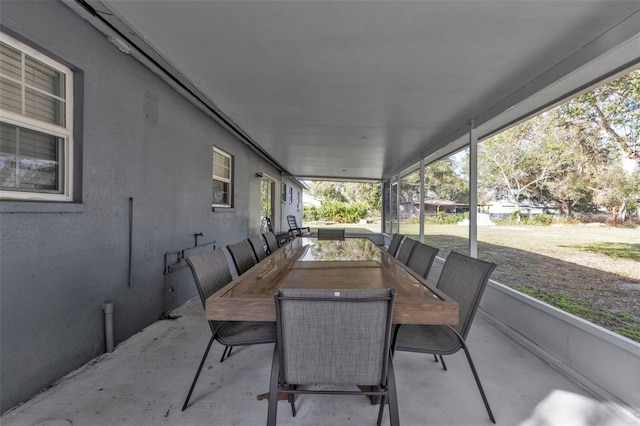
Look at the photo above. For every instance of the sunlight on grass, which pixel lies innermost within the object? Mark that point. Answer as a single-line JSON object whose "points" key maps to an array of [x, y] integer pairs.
{"points": [[617, 250]]}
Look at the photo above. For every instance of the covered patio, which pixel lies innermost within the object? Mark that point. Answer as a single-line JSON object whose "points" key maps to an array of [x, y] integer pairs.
{"points": [[168, 122], [145, 380]]}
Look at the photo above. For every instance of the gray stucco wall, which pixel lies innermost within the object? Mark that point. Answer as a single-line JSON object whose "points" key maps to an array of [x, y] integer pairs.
{"points": [[61, 262]]}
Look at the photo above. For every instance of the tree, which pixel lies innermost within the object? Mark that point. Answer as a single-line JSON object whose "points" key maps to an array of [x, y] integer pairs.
{"points": [[444, 180], [328, 191], [611, 111], [332, 193], [517, 163]]}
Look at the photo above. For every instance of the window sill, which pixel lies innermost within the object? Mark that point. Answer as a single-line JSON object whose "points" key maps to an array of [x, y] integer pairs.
{"points": [[222, 209], [41, 207]]}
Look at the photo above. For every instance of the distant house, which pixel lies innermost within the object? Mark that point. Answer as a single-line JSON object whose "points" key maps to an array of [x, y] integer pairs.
{"points": [[308, 200], [435, 205]]}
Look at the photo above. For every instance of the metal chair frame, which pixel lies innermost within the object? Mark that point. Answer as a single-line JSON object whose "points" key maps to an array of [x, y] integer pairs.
{"points": [[294, 229], [457, 289], [257, 245], [396, 239], [386, 386], [242, 255], [211, 272]]}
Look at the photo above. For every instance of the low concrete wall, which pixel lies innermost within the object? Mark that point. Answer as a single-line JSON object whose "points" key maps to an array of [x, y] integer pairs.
{"points": [[606, 362]]}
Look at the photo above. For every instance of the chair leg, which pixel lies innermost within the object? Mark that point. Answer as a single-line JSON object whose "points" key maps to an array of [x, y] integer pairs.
{"points": [[443, 364], [435, 357], [292, 401], [396, 330], [381, 411], [475, 376], [226, 352], [195, 379], [273, 389], [394, 415]]}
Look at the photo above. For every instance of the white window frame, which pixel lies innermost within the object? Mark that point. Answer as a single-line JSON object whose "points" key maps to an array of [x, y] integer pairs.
{"points": [[228, 180], [64, 132]]}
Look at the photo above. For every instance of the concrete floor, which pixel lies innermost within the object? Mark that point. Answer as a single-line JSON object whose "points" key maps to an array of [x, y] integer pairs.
{"points": [[145, 380]]}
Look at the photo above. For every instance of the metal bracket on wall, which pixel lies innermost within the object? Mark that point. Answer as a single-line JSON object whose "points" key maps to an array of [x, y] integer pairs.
{"points": [[179, 255]]}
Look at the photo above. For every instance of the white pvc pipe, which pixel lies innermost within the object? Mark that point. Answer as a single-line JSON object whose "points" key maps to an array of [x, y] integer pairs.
{"points": [[107, 307]]}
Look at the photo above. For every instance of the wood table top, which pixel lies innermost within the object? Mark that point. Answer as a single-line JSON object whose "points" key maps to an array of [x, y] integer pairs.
{"points": [[355, 263]]}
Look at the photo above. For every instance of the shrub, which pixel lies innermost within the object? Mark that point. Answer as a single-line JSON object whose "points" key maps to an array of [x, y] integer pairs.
{"points": [[310, 214], [343, 212]]}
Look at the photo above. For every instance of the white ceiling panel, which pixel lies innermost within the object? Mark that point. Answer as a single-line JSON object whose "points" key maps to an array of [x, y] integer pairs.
{"points": [[358, 89]]}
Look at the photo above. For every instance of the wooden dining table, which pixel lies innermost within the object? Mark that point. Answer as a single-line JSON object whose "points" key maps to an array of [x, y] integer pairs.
{"points": [[353, 263]]}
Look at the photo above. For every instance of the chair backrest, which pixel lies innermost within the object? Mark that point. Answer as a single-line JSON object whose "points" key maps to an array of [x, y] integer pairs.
{"points": [[210, 272], [257, 244], [272, 242], [464, 279], [334, 336], [331, 233], [394, 244], [405, 250], [293, 224], [422, 258], [242, 255]]}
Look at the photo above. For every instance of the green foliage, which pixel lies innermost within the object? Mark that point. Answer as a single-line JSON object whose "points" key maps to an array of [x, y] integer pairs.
{"points": [[541, 219], [336, 212], [442, 218], [310, 214], [447, 181], [355, 193]]}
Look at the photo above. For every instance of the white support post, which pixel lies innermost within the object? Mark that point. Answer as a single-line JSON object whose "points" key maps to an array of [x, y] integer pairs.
{"points": [[473, 190], [421, 200]]}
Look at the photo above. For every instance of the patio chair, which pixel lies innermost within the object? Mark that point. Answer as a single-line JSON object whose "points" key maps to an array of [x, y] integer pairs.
{"points": [[331, 233], [211, 272], [422, 258], [315, 347], [272, 242], [464, 279], [257, 244], [281, 237], [294, 229], [404, 252], [242, 255], [394, 244]]}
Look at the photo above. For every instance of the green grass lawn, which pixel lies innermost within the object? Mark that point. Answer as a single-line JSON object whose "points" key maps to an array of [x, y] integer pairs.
{"points": [[592, 271]]}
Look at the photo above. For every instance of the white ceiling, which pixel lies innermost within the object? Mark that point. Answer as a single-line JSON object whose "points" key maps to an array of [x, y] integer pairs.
{"points": [[359, 89]]}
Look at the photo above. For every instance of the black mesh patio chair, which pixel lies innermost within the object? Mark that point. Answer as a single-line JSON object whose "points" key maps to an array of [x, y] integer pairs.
{"points": [[394, 244], [404, 252], [464, 279], [333, 337], [211, 272], [257, 244], [331, 233], [421, 259], [272, 242], [242, 255], [294, 229]]}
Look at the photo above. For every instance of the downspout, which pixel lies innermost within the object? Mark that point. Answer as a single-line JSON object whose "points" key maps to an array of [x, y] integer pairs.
{"points": [[107, 308]]}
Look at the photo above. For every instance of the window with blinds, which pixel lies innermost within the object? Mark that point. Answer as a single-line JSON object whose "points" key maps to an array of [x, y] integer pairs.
{"points": [[222, 177], [35, 124]]}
